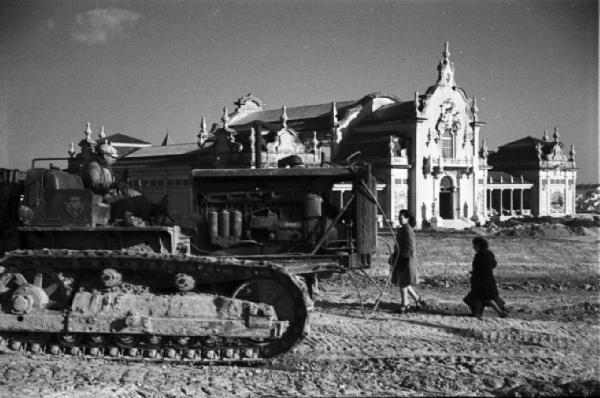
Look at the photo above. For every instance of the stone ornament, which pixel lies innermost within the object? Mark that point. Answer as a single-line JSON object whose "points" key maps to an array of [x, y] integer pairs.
{"points": [[287, 143], [572, 153], [225, 118], [474, 109], [483, 152], [557, 154], [545, 136], [449, 120], [538, 150], [252, 147], [202, 133], [446, 69], [249, 102], [284, 117], [71, 150]]}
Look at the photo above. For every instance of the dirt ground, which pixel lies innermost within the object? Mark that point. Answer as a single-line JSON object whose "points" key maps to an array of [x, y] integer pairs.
{"points": [[549, 345]]}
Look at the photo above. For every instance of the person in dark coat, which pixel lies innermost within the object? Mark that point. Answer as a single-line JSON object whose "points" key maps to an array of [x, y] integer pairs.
{"points": [[404, 261], [484, 291]]}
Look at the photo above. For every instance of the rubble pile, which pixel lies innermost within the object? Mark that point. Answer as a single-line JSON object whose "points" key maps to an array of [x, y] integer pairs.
{"points": [[589, 202], [541, 227]]}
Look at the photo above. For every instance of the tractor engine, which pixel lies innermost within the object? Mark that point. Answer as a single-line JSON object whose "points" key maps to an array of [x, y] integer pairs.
{"points": [[279, 219], [285, 213]]}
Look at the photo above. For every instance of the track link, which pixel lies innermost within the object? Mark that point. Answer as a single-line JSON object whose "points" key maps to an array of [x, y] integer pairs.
{"points": [[248, 354]]}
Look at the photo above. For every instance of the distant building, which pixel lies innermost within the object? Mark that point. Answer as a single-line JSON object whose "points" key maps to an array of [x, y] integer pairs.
{"points": [[548, 165], [426, 154]]}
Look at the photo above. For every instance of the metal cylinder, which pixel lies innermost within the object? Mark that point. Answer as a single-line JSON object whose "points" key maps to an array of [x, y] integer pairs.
{"points": [[312, 213], [22, 304], [213, 224], [184, 282], [236, 223], [312, 205], [224, 223], [110, 277]]}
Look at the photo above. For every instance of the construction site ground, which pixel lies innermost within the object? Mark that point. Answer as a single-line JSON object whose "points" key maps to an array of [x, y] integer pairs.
{"points": [[549, 345]]}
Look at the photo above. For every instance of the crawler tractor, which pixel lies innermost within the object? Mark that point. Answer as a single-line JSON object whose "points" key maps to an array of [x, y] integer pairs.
{"points": [[235, 288]]}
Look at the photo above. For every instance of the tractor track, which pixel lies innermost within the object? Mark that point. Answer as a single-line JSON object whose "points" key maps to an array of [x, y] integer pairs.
{"points": [[75, 262]]}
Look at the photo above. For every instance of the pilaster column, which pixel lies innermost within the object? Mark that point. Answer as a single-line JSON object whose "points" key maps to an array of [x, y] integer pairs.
{"points": [[512, 207], [521, 206], [501, 209], [457, 201], [566, 190]]}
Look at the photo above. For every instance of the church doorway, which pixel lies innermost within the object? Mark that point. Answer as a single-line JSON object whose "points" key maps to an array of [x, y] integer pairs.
{"points": [[447, 198]]}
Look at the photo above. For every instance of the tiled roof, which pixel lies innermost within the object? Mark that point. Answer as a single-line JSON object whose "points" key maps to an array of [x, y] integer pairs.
{"points": [[523, 149], [125, 139], [164, 150], [397, 111], [376, 147], [500, 177], [294, 113], [523, 142], [587, 186]]}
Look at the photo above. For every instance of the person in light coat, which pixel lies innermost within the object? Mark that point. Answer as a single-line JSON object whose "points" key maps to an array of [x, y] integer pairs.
{"points": [[404, 262]]}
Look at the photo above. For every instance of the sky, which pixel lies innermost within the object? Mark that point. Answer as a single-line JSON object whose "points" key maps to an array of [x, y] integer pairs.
{"points": [[144, 67]]}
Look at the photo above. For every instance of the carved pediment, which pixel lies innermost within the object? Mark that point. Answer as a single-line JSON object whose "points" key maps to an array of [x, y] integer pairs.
{"points": [[249, 103], [449, 120], [556, 154], [225, 143], [286, 143]]}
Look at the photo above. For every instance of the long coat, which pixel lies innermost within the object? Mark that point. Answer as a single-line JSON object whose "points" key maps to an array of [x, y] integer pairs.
{"points": [[483, 283], [98, 177], [404, 257]]}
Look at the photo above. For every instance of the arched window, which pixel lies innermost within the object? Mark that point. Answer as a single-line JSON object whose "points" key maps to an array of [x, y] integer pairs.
{"points": [[446, 185], [447, 144], [557, 202]]}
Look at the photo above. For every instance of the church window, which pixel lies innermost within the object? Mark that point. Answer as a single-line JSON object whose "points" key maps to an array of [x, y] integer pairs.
{"points": [[447, 145]]}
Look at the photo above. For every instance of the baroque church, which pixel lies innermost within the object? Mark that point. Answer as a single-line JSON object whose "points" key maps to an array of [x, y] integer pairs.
{"points": [[426, 153]]}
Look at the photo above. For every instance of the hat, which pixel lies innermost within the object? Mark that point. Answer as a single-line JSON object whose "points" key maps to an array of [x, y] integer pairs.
{"points": [[108, 149]]}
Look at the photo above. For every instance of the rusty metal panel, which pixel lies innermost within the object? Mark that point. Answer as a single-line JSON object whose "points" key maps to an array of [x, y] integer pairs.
{"points": [[336, 172], [257, 328], [193, 305], [159, 239], [65, 207], [33, 323]]}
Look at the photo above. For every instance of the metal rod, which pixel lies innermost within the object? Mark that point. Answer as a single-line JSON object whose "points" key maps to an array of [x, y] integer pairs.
{"points": [[362, 306], [37, 159], [335, 221]]}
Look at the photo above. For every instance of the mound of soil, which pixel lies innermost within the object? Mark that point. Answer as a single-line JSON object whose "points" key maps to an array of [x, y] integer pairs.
{"points": [[550, 231], [578, 388]]}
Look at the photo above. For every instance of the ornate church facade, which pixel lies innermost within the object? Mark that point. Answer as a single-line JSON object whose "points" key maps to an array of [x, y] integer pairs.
{"points": [[426, 153]]}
